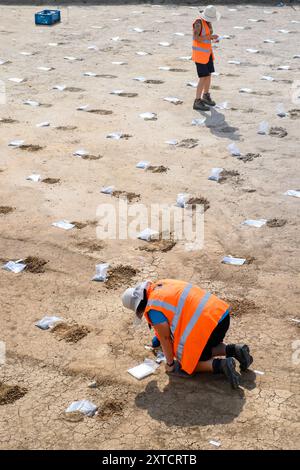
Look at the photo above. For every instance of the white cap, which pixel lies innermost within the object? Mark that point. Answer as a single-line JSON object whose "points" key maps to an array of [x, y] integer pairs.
{"points": [[132, 296], [210, 14]]}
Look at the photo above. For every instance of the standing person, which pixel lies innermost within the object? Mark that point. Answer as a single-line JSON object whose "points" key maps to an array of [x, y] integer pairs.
{"points": [[203, 56], [190, 325]]}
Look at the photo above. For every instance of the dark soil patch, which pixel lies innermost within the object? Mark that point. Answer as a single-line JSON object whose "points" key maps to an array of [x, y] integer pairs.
{"points": [[120, 276], [128, 95], [127, 195], [178, 70], [157, 169], [8, 121], [249, 157], [35, 265], [276, 222], [193, 201], [188, 143], [250, 260], [66, 128], [294, 113], [110, 408], [154, 82], [79, 225], [11, 393], [102, 112], [51, 180], [158, 245], [6, 209], [241, 307], [249, 190], [73, 416], [31, 147], [278, 132], [91, 246], [215, 87], [70, 333]]}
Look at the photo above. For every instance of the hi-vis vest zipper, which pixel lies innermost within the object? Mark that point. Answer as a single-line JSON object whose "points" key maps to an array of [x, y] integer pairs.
{"points": [[202, 50], [192, 315]]}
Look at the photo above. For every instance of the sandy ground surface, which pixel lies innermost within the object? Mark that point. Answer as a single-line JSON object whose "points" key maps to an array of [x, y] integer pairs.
{"points": [[157, 412]]}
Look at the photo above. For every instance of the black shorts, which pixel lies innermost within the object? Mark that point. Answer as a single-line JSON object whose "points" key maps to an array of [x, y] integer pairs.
{"points": [[215, 338], [204, 70]]}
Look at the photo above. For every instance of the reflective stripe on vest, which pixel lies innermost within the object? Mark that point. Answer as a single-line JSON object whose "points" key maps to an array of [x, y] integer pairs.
{"points": [[180, 306], [191, 325], [195, 48], [159, 303]]}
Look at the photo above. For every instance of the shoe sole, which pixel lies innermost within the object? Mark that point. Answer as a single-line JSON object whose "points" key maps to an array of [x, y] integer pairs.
{"points": [[201, 109], [231, 374], [246, 359], [210, 104]]}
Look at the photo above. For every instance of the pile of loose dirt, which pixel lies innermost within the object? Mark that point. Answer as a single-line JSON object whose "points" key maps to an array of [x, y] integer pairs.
{"points": [[102, 112], [128, 95], [230, 175], [8, 121], [31, 147], [90, 246], [294, 113], [193, 201], [154, 82], [158, 245], [79, 225], [120, 276], [11, 393], [73, 416], [241, 307], [73, 89], [127, 195], [66, 128], [70, 333], [110, 408], [35, 265], [157, 169], [188, 143], [249, 157], [107, 75], [276, 222], [278, 132], [51, 180], [6, 209], [92, 157], [178, 70]]}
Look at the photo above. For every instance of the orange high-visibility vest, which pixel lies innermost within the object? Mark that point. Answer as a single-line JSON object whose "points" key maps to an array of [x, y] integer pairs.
{"points": [[203, 49], [192, 315]]}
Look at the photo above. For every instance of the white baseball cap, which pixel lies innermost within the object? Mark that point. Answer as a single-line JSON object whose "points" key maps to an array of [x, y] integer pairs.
{"points": [[132, 296], [210, 14]]}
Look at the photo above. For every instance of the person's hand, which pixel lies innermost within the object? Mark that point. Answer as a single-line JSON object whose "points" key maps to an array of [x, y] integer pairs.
{"points": [[215, 37], [170, 368]]}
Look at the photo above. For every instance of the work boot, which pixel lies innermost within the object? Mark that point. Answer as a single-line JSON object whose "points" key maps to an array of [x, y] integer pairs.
{"points": [[242, 354], [207, 100], [227, 367], [199, 105]]}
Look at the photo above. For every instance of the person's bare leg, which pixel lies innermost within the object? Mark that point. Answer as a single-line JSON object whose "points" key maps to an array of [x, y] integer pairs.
{"points": [[219, 350], [207, 84], [204, 366], [200, 88]]}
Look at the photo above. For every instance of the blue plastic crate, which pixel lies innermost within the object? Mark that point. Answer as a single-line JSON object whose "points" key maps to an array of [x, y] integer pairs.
{"points": [[47, 17]]}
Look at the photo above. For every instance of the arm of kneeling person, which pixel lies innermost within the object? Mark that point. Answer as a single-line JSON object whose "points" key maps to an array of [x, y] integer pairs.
{"points": [[164, 332]]}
